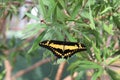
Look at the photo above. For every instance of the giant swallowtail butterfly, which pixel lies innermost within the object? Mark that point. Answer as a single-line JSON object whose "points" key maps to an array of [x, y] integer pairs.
{"points": [[62, 49]]}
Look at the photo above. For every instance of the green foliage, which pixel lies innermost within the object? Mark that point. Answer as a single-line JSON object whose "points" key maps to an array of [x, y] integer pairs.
{"points": [[9, 8], [88, 21], [2, 73], [35, 45], [113, 74], [91, 22]]}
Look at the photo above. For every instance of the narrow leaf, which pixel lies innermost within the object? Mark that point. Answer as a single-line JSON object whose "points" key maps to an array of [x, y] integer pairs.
{"points": [[36, 42]]}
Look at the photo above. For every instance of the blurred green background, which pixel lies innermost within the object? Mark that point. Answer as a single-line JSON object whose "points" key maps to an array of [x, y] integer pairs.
{"points": [[25, 23]]}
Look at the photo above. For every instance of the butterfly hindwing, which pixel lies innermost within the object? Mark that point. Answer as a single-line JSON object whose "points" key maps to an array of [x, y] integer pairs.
{"points": [[62, 49]]}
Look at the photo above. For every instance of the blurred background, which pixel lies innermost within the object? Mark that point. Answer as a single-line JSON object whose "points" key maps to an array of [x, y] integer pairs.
{"points": [[24, 23]]}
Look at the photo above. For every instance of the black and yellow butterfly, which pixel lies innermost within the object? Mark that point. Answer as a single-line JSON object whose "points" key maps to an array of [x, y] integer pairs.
{"points": [[62, 49]]}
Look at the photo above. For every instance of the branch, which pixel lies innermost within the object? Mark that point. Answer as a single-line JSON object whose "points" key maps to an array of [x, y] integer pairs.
{"points": [[71, 77], [8, 69], [60, 71], [22, 72]]}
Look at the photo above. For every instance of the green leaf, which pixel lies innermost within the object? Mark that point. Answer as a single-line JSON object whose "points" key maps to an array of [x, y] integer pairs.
{"points": [[14, 9], [51, 9], [108, 29], [59, 34], [85, 14], [106, 9], [114, 75], [49, 34], [112, 60], [2, 73], [97, 73], [76, 10], [36, 42], [32, 29], [90, 2], [71, 38], [97, 52], [32, 16], [83, 65], [62, 3], [87, 39], [54, 14], [74, 65], [116, 20], [42, 8], [81, 76], [92, 24]]}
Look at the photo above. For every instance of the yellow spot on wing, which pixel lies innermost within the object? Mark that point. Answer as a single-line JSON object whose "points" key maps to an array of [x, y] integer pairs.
{"points": [[47, 43], [57, 53], [80, 46]]}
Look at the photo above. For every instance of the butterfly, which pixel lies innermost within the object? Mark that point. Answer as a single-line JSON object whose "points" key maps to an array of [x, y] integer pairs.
{"points": [[62, 49]]}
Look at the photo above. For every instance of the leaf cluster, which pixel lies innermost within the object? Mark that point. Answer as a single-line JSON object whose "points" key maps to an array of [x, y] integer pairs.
{"points": [[92, 22]]}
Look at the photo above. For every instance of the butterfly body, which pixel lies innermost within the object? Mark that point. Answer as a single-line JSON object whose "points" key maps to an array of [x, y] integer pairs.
{"points": [[62, 49]]}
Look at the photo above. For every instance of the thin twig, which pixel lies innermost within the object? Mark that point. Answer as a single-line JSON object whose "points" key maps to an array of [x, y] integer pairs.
{"points": [[38, 64]]}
